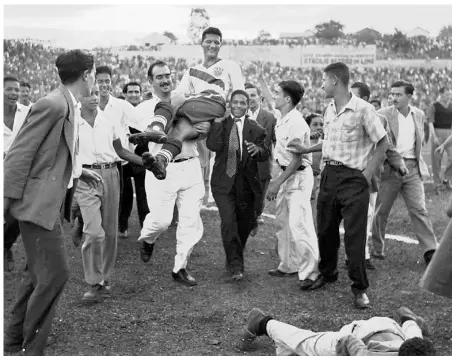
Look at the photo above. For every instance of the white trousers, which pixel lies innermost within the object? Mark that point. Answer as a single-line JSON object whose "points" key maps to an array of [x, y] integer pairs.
{"points": [[291, 340], [183, 186], [297, 240], [371, 215]]}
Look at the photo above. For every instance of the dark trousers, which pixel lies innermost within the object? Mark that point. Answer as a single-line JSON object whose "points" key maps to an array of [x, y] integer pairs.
{"points": [[264, 184], [238, 217], [10, 232], [41, 286], [126, 199], [344, 195]]}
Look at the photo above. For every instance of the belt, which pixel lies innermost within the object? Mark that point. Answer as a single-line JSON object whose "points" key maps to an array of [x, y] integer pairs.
{"points": [[100, 166], [333, 162], [181, 160], [283, 167], [410, 159]]}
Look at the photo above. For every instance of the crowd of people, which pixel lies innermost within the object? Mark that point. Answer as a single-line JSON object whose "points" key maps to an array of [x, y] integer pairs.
{"points": [[71, 154], [43, 78]]}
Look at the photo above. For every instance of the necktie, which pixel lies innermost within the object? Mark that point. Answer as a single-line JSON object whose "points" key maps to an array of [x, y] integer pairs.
{"points": [[234, 145]]}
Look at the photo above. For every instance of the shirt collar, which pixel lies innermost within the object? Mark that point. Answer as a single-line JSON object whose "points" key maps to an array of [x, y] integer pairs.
{"points": [[73, 99], [352, 104], [289, 115], [242, 118]]}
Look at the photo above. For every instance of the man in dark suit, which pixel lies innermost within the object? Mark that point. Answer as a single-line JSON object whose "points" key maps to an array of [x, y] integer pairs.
{"points": [[268, 121], [37, 171], [239, 144]]}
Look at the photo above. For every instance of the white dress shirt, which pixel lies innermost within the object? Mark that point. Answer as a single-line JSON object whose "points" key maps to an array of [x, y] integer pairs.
{"points": [[291, 127], [8, 134], [97, 141], [123, 115], [77, 167], [406, 140], [254, 115], [240, 126]]}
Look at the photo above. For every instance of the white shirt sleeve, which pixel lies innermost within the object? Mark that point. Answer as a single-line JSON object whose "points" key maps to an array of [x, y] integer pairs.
{"points": [[185, 86], [236, 77], [130, 116]]}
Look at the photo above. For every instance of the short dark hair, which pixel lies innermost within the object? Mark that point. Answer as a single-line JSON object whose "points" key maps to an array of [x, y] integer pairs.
{"points": [[239, 91], [132, 83], [409, 88], [340, 70], [211, 31], [250, 85], [309, 118], [121, 97], [159, 63], [293, 89], [72, 64], [25, 84], [363, 88], [104, 69], [10, 79], [417, 347], [376, 100], [443, 89]]}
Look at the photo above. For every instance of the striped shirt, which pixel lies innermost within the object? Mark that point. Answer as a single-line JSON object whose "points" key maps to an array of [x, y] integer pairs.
{"points": [[221, 77], [351, 135]]}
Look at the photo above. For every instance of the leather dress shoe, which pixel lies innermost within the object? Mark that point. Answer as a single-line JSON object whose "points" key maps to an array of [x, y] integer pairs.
{"points": [[149, 135], [237, 277], [279, 273], [156, 164], [361, 300], [321, 281], [184, 278], [252, 328], [306, 284], [146, 250], [378, 256]]}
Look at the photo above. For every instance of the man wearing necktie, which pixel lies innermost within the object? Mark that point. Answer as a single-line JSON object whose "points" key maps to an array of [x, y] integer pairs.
{"points": [[239, 143]]}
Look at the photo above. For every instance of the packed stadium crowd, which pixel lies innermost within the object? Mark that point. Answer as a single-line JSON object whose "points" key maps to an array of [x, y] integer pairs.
{"points": [[33, 62], [311, 140]]}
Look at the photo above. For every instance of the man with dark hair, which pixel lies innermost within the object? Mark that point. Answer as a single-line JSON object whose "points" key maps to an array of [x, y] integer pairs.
{"points": [[291, 187], [439, 118], [376, 103], [132, 91], [407, 126], [377, 336], [239, 143], [353, 148], [201, 97], [38, 168], [25, 94], [184, 186], [14, 115], [122, 113], [268, 121], [393, 159]]}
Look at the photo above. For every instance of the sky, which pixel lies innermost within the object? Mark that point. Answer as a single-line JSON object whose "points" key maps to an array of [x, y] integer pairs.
{"points": [[116, 22]]}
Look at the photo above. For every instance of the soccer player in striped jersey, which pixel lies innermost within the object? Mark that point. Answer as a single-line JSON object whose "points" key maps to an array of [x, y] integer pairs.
{"points": [[200, 97]]}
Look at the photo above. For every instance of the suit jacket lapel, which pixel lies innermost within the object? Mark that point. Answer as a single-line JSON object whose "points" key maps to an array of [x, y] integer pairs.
{"points": [[246, 136], [394, 124], [69, 124], [261, 118]]}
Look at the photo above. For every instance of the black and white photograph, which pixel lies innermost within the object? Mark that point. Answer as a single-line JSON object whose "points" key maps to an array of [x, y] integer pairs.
{"points": [[227, 179]]}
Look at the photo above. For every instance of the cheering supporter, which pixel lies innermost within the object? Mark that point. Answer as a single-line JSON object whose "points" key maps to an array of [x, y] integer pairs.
{"points": [[33, 63]]}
